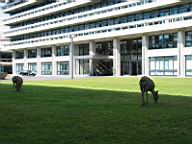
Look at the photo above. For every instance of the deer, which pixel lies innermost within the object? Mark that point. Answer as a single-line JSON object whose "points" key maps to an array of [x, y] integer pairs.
{"points": [[17, 82], [146, 85]]}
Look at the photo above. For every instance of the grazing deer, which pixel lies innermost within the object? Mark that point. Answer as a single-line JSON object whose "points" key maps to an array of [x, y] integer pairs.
{"points": [[146, 84], [17, 82]]}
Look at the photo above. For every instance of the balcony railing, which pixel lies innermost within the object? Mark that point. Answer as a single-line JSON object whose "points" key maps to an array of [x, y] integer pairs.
{"points": [[130, 27], [76, 18], [38, 10], [9, 5], [5, 60]]}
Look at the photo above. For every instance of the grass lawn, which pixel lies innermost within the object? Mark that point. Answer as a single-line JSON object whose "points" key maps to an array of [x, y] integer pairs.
{"points": [[95, 111]]}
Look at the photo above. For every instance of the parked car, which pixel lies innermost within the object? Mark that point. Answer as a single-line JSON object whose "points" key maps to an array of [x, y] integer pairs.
{"points": [[27, 73]]}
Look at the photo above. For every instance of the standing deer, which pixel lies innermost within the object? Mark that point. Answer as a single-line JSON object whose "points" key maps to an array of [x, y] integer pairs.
{"points": [[146, 84], [17, 82]]}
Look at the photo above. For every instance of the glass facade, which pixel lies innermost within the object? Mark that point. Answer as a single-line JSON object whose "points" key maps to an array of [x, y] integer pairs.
{"points": [[163, 66], [104, 48], [32, 67], [188, 39], [108, 22], [63, 68], [19, 54], [62, 50], [83, 67], [188, 65], [19, 67], [46, 68], [131, 53], [32, 53], [46, 52], [84, 49], [163, 41], [72, 11]]}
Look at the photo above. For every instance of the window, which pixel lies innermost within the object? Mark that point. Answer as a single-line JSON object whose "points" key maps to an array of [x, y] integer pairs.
{"points": [[46, 68], [188, 39], [46, 52], [174, 10], [32, 53], [163, 66], [62, 50], [62, 68], [104, 48], [19, 67], [83, 67], [32, 67], [184, 8], [84, 49], [19, 54], [163, 41], [188, 65]]}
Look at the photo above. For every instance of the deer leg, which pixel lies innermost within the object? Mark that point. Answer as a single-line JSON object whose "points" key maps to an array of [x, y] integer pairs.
{"points": [[147, 97], [143, 100]]}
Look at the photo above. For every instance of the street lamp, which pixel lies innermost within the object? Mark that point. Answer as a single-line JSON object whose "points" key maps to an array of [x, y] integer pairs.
{"points": [[71, 36]]}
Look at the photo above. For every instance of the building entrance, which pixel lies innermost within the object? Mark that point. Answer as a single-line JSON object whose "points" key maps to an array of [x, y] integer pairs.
{"points": [[131, 56]]}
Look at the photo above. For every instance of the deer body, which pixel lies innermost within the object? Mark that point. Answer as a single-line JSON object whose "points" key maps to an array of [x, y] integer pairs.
{"points": [[17, 82], [146, 85]]}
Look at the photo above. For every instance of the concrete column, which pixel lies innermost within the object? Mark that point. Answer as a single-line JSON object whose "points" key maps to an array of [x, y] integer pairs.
{"points": [[181, 56], [54, 64], [38, 61], [25, 60], [77, 67], [71, 61], [91, 53], [145, 59], [116, 58], [13, 63]]}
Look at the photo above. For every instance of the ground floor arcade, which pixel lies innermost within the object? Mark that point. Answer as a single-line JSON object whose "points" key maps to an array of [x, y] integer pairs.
{"points": [[106, 57]]}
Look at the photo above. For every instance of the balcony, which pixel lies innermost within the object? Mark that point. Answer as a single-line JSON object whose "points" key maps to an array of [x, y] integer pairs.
{"points": [[42, 11], [11, 7], [97, 14], [128, 29]]}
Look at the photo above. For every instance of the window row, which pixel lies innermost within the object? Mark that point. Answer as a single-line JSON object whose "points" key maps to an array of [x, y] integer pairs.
{"points": [[37, 10], [46, 68], [45, 52], [163, 41], [167, 66], [163, 66], [102, 23], [89, 7]]}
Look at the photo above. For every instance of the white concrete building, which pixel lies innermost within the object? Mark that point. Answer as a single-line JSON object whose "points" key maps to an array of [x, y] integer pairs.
{"points": [[5, 57], [101, 37]]}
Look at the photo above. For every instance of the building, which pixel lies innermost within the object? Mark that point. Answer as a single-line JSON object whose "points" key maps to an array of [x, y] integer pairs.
{"points": [[5, 57], [100, 37]]}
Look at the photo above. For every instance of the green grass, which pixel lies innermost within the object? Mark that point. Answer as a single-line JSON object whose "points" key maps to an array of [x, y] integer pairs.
{"points": [[95, 111]]}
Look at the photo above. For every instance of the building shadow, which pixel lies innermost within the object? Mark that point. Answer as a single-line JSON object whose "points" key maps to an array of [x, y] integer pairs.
{"points": [[41, 114]]}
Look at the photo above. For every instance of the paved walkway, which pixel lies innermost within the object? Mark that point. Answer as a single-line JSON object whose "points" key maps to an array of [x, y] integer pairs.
{"points": [[43, 78]]}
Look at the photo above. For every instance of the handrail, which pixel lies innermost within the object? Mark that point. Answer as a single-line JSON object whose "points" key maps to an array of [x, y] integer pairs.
{"points": [[13, 4], [75, 17], [107, 29]]}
